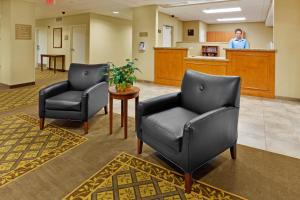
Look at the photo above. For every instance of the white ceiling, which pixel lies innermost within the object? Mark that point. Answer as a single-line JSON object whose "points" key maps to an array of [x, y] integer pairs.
{"points": [[253, 10]]}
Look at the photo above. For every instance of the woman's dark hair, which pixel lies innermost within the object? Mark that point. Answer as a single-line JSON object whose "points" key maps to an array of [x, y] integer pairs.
{"points": [[238, 29]]}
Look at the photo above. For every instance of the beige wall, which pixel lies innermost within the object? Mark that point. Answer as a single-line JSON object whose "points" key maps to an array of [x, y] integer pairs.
{"points": [[164, 19], [287, 43], [66, 23], [145, 19], [258, 35], [110, 40], [17, 61], [191, 25]]}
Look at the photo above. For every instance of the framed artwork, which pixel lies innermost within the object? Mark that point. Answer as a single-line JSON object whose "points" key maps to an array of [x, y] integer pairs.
{"points": [[57, 37], [190, 32]]}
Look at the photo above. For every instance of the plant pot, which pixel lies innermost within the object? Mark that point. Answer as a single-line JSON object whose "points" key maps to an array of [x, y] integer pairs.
{"points": [[120, 88]]}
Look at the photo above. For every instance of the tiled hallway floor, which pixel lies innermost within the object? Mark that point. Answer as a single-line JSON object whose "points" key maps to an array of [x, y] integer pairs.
{"points": [[267, 124]]}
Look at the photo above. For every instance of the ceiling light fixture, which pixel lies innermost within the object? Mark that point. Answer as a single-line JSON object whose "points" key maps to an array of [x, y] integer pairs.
{"points": [[231, 19], [116, 12], [222, 10], [193, 2]]}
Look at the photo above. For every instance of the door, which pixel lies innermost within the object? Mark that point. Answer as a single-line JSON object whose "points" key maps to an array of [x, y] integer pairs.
{"points": [[41, 45], [78, 44], [167, 36]]}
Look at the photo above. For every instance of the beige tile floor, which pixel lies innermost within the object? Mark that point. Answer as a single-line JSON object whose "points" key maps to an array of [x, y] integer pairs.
{"points": [[272, 125]]}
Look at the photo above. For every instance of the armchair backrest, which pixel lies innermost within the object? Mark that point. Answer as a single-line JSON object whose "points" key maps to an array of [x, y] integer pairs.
{"points": [[83, 76], [202, 92]]}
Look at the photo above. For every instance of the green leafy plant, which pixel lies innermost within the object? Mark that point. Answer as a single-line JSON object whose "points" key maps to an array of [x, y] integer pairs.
{"points": [[123, 76]]}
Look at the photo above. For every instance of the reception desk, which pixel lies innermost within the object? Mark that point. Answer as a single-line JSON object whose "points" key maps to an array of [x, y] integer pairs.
{"points": [[256, 67]]}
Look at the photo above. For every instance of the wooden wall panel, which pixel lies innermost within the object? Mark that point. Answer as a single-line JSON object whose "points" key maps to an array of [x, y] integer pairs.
{"points": [[208, 67], [256, 69], [220, 36], [169, 65]]}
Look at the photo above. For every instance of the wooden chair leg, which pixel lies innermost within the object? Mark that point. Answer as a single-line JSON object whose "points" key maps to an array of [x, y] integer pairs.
{"points": [[233, 152], [42, 123], [86, 127], [188, 182], [139, 146], [105, 110]]}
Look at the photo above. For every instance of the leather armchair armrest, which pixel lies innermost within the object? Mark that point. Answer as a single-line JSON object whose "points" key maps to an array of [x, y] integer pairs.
{"points": [[210, 134], [159, 103], [54, 89], [94, 98], [50, 91], [155, 105]]}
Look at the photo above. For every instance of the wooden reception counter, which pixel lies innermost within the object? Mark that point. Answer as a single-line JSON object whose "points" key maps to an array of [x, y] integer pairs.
{"points": [[256, 67]]}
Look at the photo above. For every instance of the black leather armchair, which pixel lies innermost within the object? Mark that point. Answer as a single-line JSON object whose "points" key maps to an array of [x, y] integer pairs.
{"points": [[79, 98], [191, 127]]}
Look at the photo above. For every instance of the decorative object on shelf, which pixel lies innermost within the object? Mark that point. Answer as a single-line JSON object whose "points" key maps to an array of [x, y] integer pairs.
{"points": [[123, 77]]}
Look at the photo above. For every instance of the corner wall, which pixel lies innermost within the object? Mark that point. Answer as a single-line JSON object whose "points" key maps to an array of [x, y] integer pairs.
{"points": [[145, 20], [287, 43], [17, 61], [110, 39], [167, 20]]}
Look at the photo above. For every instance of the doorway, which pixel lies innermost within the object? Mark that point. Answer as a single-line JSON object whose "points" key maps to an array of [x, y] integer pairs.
{"points": [[78, 44], [41, 44], [167, 36]]}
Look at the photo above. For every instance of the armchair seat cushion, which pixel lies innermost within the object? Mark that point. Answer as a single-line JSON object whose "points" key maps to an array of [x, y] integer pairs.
{"points": [[68, 101], [166, 127]]}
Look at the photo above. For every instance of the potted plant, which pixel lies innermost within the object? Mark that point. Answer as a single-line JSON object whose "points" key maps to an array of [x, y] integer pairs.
{"points": [[123, 77]]}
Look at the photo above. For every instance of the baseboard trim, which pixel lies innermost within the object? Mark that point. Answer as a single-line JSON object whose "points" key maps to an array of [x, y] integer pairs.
{"points": [[17, 85], [288, 98], [145, 81]]}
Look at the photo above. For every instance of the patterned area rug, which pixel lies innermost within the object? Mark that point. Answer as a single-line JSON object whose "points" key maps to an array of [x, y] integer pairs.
{"points": [[23, 147], [16, 98], [128, 177], [11, 99]]}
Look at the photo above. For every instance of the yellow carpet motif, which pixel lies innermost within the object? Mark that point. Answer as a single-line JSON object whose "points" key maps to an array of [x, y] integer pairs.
{"points": [[129, 177], [23, 147], [16, 98]]}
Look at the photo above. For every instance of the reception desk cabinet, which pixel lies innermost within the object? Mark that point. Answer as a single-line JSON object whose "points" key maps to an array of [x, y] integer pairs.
{"points": [[256, 68]]}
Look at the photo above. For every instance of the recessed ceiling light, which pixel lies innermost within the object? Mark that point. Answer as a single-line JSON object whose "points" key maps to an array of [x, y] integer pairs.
{"points": [[231, 19], [116, 12], [222, 10]]}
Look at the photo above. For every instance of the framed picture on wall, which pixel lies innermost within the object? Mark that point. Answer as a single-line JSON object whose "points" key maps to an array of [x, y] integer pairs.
{"points": [[57, 37], [190, 32]]}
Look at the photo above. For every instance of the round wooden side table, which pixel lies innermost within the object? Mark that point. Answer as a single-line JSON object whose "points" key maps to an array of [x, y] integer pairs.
{"points": [[130, 93]]}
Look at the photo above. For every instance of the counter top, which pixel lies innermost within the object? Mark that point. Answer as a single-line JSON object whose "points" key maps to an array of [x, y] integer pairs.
{"points": [[264, 50], [206, 58], [171, 48]]}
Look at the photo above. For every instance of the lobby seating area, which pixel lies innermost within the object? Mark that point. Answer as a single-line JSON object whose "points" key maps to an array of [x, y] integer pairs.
{"points": [[170, 99], [86, 159]]}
